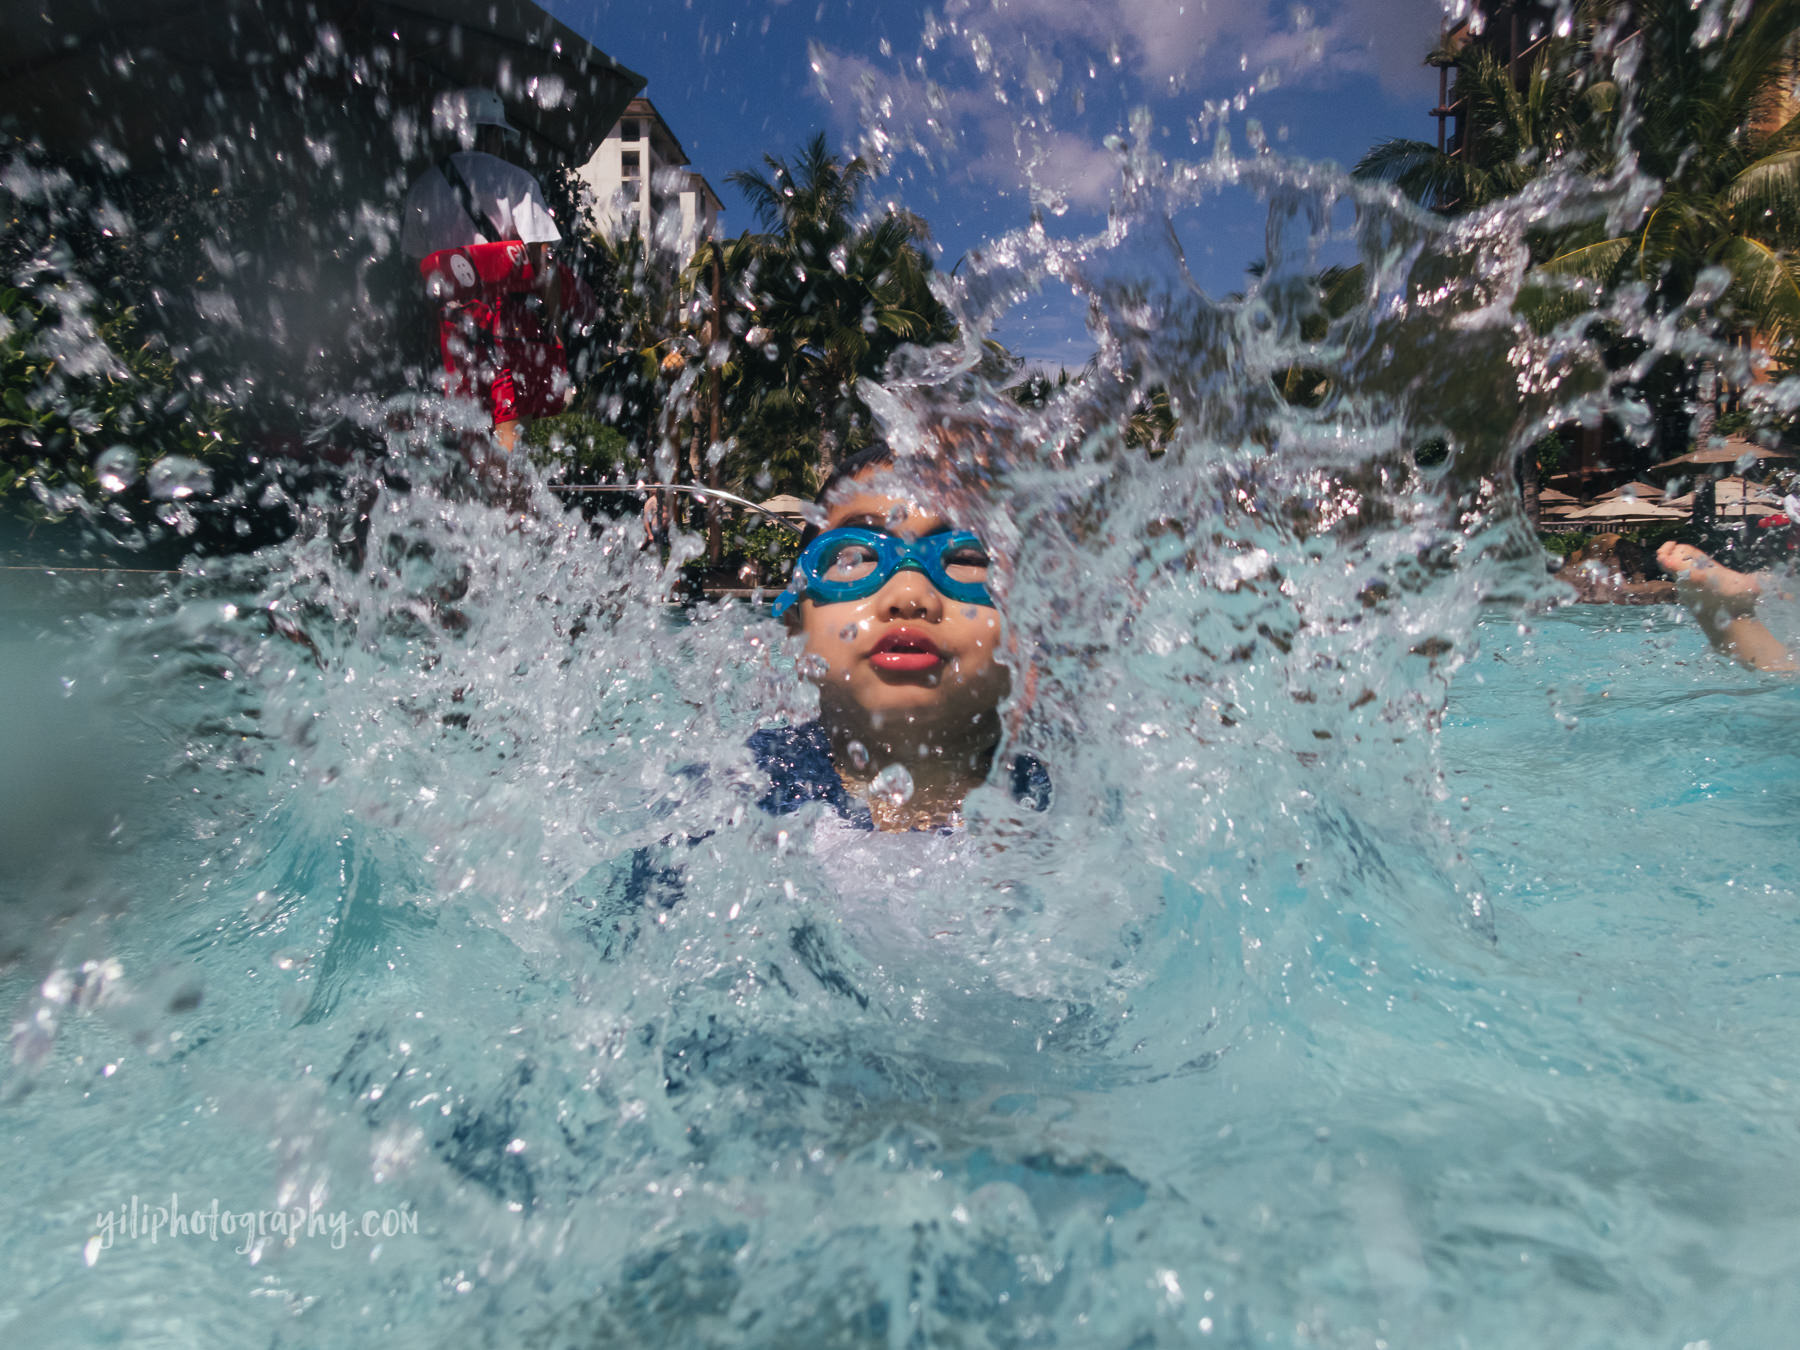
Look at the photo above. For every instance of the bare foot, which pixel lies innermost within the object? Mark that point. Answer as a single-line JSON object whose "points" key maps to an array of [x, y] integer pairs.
{"points": [[1700, 581], [1723, 602]]}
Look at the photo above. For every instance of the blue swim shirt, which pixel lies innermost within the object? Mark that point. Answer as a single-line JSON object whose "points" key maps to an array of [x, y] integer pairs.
{"points": [[798, 762]]}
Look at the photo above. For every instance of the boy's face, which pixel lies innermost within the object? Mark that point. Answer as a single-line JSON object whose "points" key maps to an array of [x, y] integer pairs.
{"points": [[906, 656]]}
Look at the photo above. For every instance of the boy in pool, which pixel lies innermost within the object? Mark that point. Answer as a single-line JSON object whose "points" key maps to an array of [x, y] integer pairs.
{"points": [[1723, 602], [902, 638]]}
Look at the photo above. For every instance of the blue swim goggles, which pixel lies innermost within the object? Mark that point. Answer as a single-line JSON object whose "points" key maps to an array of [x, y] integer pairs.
{"points": [[853, 563]]}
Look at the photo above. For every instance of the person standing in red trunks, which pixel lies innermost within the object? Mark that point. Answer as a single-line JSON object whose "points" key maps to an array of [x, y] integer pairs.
{"points": [[481, 231]]}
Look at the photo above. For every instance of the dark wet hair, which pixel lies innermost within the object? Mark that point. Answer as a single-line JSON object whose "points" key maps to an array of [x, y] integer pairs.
{"points": [[869, 457], [958, 434]]}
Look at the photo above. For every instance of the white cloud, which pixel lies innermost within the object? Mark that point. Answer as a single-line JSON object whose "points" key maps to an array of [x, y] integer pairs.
{"points": [[1000, 90], [1057, 168], [1190, 40]]}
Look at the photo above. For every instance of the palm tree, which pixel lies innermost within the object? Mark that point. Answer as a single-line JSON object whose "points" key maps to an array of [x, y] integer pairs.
{"points": [[1705, 125], [838, 296], [1709, 130], [1514, 132]]}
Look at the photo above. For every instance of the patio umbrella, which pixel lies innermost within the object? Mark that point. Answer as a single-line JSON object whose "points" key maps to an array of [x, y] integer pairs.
{"points": [[284, 134], [1552, 497], [1746, 508], [140, 77], [1730, 452], [786, 504], [1740, 489], [1733, 498], [1643, 491], [1621, 509]]}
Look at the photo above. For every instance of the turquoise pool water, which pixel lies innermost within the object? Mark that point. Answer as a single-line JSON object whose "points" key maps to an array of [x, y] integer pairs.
{"points": [[395, 954], [1257, 1037]]}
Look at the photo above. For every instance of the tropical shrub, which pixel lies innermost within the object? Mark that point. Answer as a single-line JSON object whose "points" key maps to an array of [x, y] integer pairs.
{"points": [[96, 415]]}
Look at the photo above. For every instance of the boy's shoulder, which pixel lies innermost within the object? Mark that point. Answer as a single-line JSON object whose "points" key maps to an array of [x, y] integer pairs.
{"points": [[798, 762]]}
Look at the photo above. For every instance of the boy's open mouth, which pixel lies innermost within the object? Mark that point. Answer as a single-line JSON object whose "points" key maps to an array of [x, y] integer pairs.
{"points": [[906, 651]]}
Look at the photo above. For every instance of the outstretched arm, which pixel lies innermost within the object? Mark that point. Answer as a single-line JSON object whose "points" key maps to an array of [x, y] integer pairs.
{"points": [[1723, 602]]}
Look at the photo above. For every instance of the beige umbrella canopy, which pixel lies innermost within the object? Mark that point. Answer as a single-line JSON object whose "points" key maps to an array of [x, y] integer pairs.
{"points": [[786, 504], [280, 136], [1745, 508], [1553, 497], [1623, 508], [144, 77], [1734, 486], [1733, 498], [1730, 451], [1643, 491]]}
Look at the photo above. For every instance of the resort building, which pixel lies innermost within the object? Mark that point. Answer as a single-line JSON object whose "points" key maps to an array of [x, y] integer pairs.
{"points": [[1512, 30], [640, 177]]}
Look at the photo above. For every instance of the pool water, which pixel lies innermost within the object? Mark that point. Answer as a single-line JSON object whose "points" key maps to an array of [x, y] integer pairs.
{"points": [[473, 926], [1402, 960]]}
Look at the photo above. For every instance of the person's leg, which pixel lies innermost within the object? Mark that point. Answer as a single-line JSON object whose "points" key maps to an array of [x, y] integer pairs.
{"points": [[1723, 602]]}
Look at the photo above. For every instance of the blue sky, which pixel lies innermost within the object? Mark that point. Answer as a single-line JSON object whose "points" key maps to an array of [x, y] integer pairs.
{"points": [[989, 108]]}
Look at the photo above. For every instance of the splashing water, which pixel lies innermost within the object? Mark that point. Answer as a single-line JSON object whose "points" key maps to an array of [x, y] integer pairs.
{"points": [[413, 868]]}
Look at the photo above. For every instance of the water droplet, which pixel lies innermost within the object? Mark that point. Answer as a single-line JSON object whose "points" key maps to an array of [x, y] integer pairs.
{"points": [[117, 468], [549, 91], [859, 755], [812, 666], [847, 633], [893, 785], [174, 477]]}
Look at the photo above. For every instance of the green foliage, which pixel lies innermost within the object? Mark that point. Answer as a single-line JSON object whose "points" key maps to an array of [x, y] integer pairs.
{"points": [[1151, 422], [1704, 122], [1516, 131], [770, 548], [578, 447], [1699, 106], [1645, 538], [776, 327], [1563, 542], [1429, 454], [1036, 391], [78, 377], [1337, 291], [1547, 452], [836, 296]]}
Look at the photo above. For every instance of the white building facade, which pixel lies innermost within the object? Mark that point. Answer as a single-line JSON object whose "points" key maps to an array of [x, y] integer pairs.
{"points": [[640, 177]]}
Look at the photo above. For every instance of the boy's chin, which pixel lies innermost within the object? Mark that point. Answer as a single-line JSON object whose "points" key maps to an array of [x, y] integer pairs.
{"points": [[913, 712]]}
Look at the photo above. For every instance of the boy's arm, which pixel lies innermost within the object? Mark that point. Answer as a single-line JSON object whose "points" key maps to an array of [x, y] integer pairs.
{"points": [[1723, 603]]}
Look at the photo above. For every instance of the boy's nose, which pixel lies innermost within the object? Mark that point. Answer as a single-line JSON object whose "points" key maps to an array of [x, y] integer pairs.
{"points": [[909, 594]]}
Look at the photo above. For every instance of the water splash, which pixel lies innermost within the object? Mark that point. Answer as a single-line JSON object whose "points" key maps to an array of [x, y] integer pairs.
{"points": [[449, 882]]}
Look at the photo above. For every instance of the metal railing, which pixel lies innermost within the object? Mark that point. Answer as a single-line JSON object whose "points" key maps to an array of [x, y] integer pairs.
{"points": [[703, 493]]}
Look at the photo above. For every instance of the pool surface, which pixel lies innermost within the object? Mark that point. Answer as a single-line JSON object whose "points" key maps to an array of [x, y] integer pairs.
{"points": [[470, 950]]}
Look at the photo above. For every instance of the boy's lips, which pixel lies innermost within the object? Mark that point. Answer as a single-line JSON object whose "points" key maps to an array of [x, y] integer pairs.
{"points": [[906, 651]]}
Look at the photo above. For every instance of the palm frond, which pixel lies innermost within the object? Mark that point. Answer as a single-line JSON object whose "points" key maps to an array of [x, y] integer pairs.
{"points": [[1765, 290], [1425, 174], [1572, 282], [1764, 199]]}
